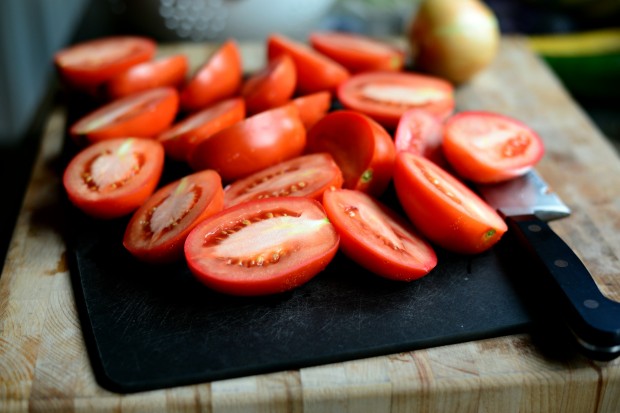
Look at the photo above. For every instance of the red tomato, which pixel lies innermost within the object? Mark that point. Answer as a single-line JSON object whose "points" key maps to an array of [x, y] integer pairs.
{"points": [[166, 71], [262, 247], [315, 71], [386, 96], [358, 53], [144, 114], [90, 63], [180, 140], [376, 237], [443, 209], [157, 230], [252, 144], [308, 175], [488, 147], [313, 107], [112, 178], [271, 87], [361, 147], [218, 78], [420, 133]]}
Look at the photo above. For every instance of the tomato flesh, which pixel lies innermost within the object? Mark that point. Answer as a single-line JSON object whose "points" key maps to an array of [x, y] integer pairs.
{"points": [[420, 133]]}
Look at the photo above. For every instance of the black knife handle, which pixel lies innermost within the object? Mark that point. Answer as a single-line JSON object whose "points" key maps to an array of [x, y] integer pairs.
{"points": [[593, 318]]}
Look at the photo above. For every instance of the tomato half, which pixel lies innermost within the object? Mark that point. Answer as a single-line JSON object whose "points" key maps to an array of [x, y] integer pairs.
{"points": [[420, 133], [307, 175], [90, 63], [315, 71], [165, 71], [144, 114], [443, 209], [271, 87], [313, 107], [377, 238], [180, 140], [386, 96], [358, 53], [157, 231], [361, 147], [219, 77], [252, 144], [262, 247], [112, 178], [487, 147]]}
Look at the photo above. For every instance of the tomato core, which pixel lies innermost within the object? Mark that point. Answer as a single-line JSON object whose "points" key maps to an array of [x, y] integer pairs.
{"points": [[163, 217], [400, 95], [109, 171]]}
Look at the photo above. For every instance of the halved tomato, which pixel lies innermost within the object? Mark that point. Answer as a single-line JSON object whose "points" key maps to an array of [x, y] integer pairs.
{"points": [[165, 71], [157, 230], [112, 178], [420, 133], [443, 209], [377, 238], [315, 71], [271, 87], [307, 175], [313, 107], [252, 144], [357, 52], [262, 247], [218, 78], [144, 114], [180, 140], [361, 147], [386, 96], [90, 63], [487, 147]]}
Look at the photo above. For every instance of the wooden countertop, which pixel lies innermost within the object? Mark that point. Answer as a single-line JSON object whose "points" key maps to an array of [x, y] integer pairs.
{"points": [[44, 364]]}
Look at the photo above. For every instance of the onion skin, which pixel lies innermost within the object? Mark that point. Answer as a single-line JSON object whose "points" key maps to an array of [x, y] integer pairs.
{"points": [[453, 39]]}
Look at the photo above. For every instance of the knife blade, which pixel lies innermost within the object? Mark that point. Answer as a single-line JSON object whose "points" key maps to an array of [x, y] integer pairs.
{"points": [[527, 204]]}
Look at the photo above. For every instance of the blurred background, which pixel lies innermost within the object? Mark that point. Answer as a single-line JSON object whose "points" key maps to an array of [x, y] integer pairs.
{"points": [[579, 39]]}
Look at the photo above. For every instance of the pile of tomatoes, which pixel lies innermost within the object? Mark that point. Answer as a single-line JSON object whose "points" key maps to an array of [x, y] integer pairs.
{"points": [[288, 163]]}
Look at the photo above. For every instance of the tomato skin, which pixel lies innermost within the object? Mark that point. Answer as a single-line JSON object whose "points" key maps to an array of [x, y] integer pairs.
{"points": [[313, 107], [219, 78], [315, 72], [487, 147], [88, 64], [271, 87], [443, 209], [361, 147], [307, 175], [378, 239], [420, 133], [252, 144], [199, 196], [125, 170], [358, 53], [180, 140], [144, 114], [386, 96], [262, 247], [166, 71]]}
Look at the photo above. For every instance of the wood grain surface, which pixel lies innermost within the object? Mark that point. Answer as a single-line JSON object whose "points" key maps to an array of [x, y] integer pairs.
{"points": [[44, 366]]}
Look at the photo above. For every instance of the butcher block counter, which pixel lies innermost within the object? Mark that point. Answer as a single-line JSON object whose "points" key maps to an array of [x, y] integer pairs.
{"points": [[45, 366]]}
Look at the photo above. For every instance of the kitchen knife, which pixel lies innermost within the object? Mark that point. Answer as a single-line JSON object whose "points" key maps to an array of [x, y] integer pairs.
{"points": [[527, 204]]}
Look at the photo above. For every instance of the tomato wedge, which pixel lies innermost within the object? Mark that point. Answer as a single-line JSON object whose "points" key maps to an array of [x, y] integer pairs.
{"points": [[420, 133], [271, 87], [90, 63], [157, 231], [219, 77], [315, 71], [307, 175], [361, 147], [180, 140], [443, 209], [374, 236], [386, 96], [112, 178], [165, 71], [252, 144], [262, 247], [144, 114], [358, 53], [487, 147], [313, 107]]}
